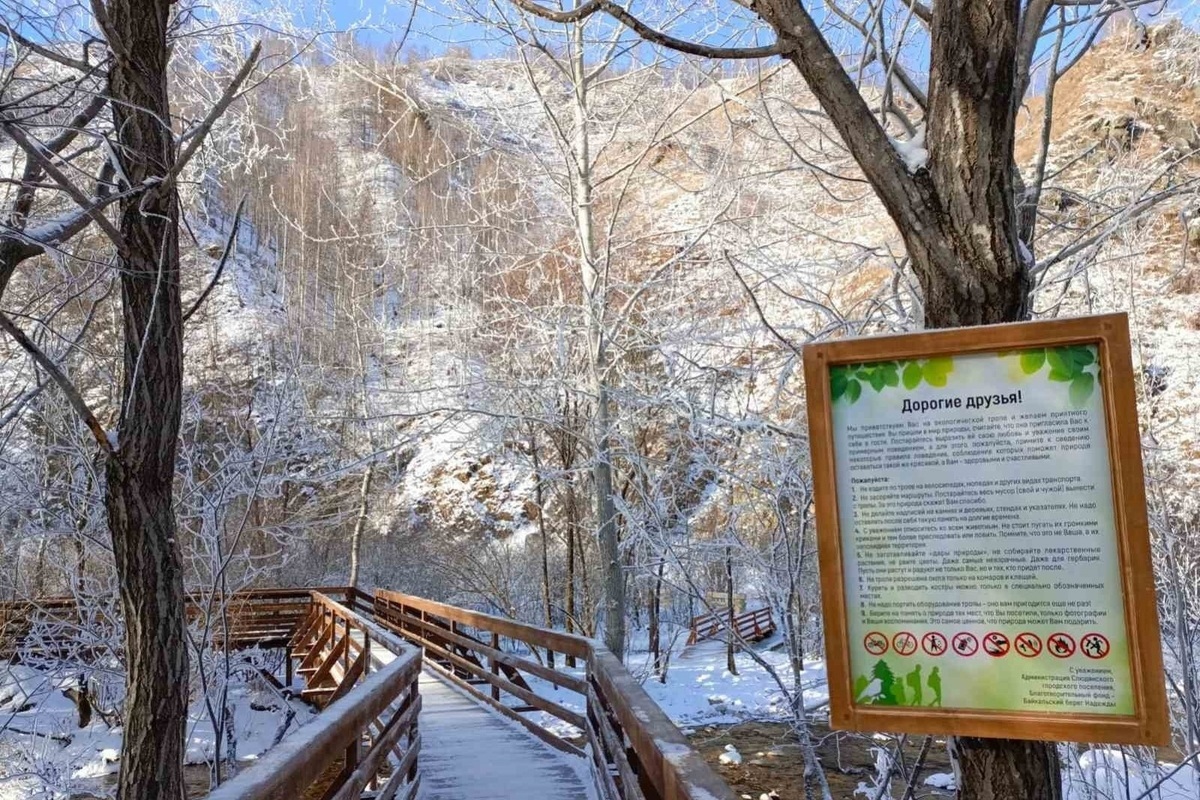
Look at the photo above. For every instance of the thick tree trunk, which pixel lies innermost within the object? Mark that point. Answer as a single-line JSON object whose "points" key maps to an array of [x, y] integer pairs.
{"points": [[959, 223], [1006, 769], [140, 471], [971, 132]]}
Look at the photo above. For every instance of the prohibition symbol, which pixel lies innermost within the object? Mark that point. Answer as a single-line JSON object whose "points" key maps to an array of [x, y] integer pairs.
{"points": [[1094, 645], [933, 643], [876, 643], [995, 644], [1060, 645], [904, 643], [1028, 644], [965, 644]]}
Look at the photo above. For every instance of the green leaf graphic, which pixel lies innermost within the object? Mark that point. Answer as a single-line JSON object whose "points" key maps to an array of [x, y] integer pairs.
{"points": [[935, 371], [1061, 369], [912, 375], [1081, 389], [1032, 361], [837, 382], [1082, 355], [853, 390]]}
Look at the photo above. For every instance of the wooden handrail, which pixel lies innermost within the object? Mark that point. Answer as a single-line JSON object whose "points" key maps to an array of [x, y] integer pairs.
{"points": [[371, 696], [637, 752], [293, 765]]}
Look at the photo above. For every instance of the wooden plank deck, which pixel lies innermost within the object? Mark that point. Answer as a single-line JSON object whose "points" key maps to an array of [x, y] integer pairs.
{"points": [[471, 753]]}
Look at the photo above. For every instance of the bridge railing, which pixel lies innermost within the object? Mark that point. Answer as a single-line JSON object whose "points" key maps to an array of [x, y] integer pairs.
{"points": [[751, 626], [365, 742], [637, 752]]}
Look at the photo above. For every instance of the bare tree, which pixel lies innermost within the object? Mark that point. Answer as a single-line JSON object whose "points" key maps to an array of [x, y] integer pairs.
{"points": [[952, 188], [140, 176]]}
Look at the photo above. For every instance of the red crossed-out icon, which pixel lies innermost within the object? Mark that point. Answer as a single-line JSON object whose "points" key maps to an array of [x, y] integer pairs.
{"points": [[933, 643], [1094, 645], [1060, 645], [904, 643], [876, 643], [1028, 644], [965, 644], [995, 644]]}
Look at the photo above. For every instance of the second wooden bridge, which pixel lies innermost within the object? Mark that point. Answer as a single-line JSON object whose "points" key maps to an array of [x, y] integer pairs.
{"points": [[425, 700]]}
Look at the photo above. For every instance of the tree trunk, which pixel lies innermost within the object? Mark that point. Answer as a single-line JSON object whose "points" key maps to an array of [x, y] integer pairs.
{"points": [[539, 498], [655, 621], [731, 634], [570, 590], [140, 470], [1006, 769], [971, 134], [360, 523], [594, 302]]}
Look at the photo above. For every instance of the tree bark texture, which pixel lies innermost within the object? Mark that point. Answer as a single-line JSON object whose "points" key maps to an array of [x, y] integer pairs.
{"points": [[1006, 769], [140, 470]]}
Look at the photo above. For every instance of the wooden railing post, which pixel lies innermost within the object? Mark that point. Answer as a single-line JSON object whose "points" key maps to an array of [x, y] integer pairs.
{"points": [[495, 665]]}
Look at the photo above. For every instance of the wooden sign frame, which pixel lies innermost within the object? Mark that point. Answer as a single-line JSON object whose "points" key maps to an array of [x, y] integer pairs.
{"points": [[1149, 725]]}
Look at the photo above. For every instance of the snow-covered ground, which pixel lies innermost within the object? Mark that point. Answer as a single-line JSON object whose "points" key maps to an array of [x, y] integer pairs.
{"points": [[700, 690], [45, 755]]}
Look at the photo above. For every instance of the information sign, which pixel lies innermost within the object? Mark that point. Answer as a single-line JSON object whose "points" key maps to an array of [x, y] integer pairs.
{"points": [[983, 545]]}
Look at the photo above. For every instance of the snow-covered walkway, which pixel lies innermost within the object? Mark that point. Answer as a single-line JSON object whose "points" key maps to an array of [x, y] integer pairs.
{"points": [[470, 752]]}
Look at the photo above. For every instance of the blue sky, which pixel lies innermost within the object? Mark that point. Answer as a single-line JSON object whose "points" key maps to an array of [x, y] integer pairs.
{"points": [[434, 28]]}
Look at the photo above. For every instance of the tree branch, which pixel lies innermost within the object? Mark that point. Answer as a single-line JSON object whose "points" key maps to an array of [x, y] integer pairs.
{"points": [[647, 32], [44, 52], [229, 244], [200, 132], [59, 377], [34, 151]]}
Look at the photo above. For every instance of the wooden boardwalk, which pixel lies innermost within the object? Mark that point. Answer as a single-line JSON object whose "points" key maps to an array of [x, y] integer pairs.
{"points": [[471, 753]]}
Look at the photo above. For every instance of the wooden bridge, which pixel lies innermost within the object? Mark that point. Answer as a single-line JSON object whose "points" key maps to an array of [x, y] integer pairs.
{"points": [[424, 700], [751, 626]]}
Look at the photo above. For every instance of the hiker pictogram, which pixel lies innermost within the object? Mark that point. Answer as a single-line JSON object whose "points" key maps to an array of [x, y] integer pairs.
{"points": [[965, 644], [876, 643], [1094, 645], [995, 644], [1028, 644], [904, 643], [933, 643], [1060, 645]]}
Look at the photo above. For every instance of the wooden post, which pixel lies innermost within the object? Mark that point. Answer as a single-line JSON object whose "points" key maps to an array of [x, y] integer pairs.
{"points": [[287, 666], [412, 731], [495, 665]]}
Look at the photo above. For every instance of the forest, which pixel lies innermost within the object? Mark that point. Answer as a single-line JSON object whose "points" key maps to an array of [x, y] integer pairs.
{"points": [[503, 305]]}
